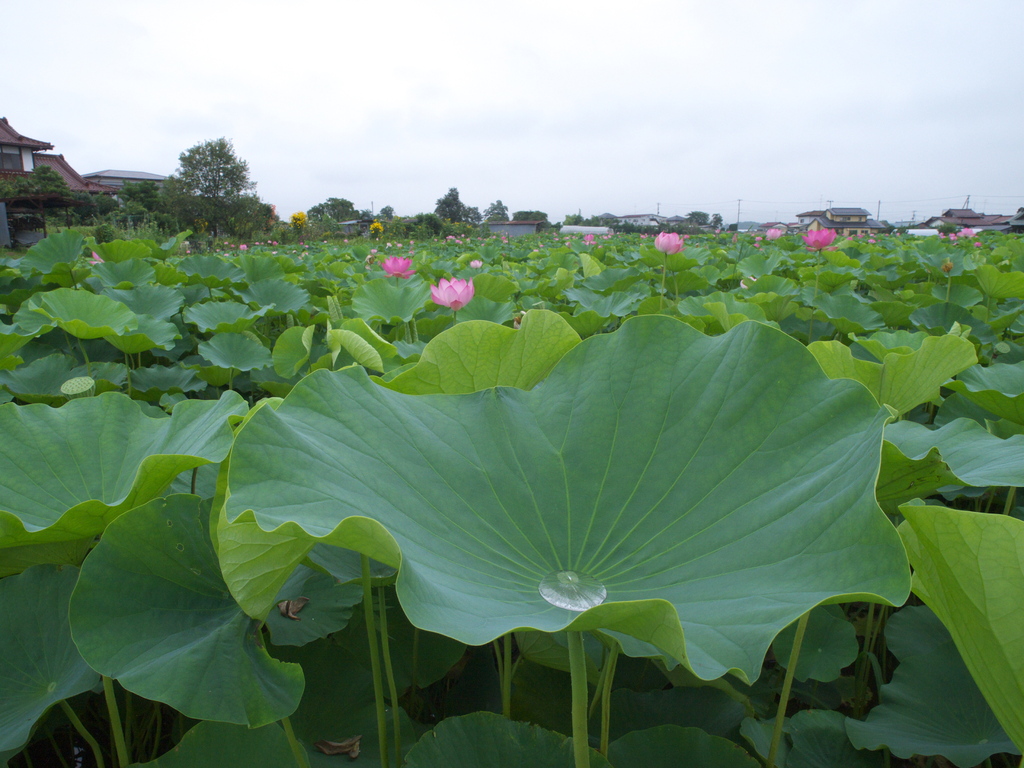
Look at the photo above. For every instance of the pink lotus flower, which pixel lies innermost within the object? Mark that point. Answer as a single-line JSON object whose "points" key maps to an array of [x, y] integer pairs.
{"points": [[668, 243], [398, 266], [743, 283], [817, 239], [243, 247], [588, 239], [452, 293], [95, 258], [774, 233], [476, 263], [967, 232]]}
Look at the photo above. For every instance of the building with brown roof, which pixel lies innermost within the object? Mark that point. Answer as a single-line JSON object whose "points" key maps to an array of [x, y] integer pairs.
{"points": [[965, 217], [20, 155], [846, 222]]}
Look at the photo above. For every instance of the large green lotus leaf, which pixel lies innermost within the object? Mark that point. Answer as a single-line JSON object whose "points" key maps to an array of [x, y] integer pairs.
{"points": [[83, 314], [40, 381], [222, 316], [159, 301], [489, 311], [39, 663], [235, 350], [820, 741], [149, 334], [67, 472], [616, 304], [312, 605], [494, 287], [848, 314], [211, 271], [901, 479], [17, 559], [1000, 285], [969, 569], [291, 350], [61, 248], [997, 388], [223, 745], [717, 486], [474, 356], [258, 267], [126, 274], [355, 346], [276, 297], [931, 706], [122, 250], [484, 738], [707, 708], [829, 646], [338, 700], [671, 746], [901, 380], [13, 338], [152, 610], [973, 454], [392, 301], [156, 380]]}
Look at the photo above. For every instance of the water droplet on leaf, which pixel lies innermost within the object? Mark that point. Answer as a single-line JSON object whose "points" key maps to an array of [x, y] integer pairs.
{"points": [[572, 591]]}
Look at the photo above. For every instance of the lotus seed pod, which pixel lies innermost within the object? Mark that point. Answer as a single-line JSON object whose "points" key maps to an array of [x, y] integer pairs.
{"points": [[79, 386]]}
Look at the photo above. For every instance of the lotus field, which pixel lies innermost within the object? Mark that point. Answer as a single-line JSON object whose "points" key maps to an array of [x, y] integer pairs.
{"points": [[629, 501]]}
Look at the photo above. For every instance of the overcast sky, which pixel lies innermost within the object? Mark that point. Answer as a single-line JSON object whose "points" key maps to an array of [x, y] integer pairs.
{"points": [[552, 105]]}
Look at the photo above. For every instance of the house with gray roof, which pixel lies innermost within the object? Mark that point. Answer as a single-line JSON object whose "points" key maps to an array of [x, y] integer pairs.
{"points": [[117, 179]]}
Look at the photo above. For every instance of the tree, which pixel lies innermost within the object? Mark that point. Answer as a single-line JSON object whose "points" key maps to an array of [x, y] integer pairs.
{"points": [[530, 216], [573, 219], [698, 217], [335, 208], [716, 221], [471, 215], [211, 184], [387, 213], [43, 181], [496, 211], [450, 207], [140, 197]]}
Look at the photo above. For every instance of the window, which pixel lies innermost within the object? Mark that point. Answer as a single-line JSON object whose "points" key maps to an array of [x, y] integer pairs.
{"points": [[10, 159]]}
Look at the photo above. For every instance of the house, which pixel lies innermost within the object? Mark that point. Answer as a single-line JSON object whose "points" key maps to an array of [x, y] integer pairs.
{"points": [[514, 228], [22, 217], [965, 217], [20, 155], [807, 217], [782, 226], [118, 178], [847, 222], [642, 219], [1016, 222]]}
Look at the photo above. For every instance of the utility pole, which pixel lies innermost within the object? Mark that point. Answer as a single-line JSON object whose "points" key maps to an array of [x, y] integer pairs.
{"points": [[967, 202], [659, 209], [878, 213], [738, 202]]}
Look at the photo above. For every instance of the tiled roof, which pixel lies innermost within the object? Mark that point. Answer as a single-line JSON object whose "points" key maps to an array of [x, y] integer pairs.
{"points": [[10, 136], [71, 176], [848, 212], [832, 224], [137, 175], [810, 213]]}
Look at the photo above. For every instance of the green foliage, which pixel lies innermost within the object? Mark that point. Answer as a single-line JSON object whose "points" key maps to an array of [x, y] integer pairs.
{"points": [[496, 211], [335, 209], [212, 185]]}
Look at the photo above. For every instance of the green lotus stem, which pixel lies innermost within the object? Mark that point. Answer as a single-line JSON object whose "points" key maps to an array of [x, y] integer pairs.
{"points": [[949, 285], [88, 365], [392, 688], [606, 698], [578, 671], [780, 716], [860, 678], [97, 753], [56, 749], [298, 750], [115, 723], [1011, 497], [371, 636], [415, 655], [664, 275]]}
